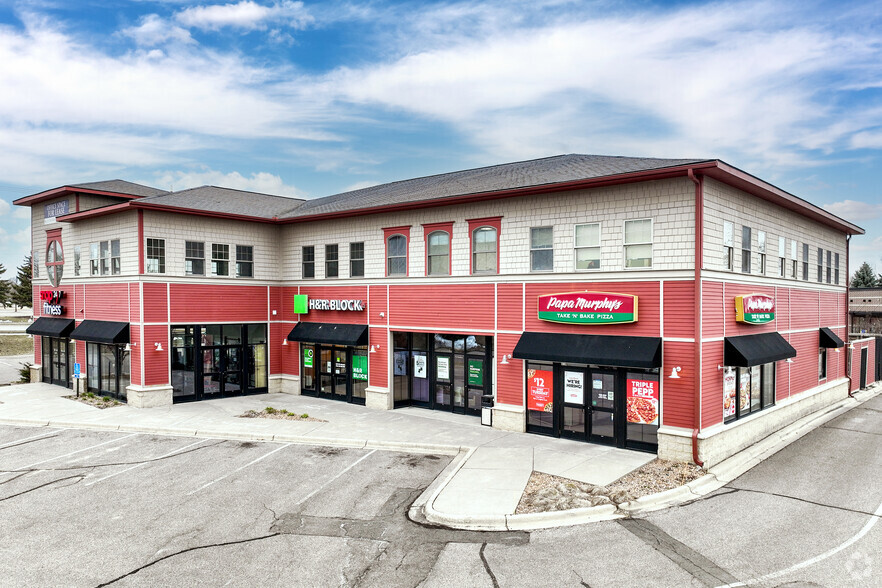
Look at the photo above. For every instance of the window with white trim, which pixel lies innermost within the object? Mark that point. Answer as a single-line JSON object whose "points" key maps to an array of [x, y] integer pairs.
{"points": [[54, 261], [782, 253], [541, 249], [332, 262], [220, 259], [587, 245], [244, 261], [794, 261], [396, 255], [745, 250], [805, 261], [761, 251], [820, 265], [93, 259], [836, 268], [822, 363], [155, 258], [356, 260], [638, 243], [438, 256], [728, 245], [78, 251], [194, 258], [829, 260], [484, 250], [308, 261]]}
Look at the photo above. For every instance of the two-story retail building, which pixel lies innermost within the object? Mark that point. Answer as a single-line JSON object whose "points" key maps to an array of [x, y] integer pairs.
{"points": [[674, 305]]}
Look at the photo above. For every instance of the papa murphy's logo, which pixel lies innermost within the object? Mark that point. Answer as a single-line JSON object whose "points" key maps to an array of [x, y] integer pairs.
{"points": [[588, 308], [754, 309], [303, 304]]}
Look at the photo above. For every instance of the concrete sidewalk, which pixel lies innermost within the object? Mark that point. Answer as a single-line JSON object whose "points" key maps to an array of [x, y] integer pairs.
{"points": [[480, 488]]}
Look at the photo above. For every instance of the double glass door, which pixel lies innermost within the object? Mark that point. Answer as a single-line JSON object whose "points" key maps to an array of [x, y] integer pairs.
{"points": [[333, 372], [56, 361]]}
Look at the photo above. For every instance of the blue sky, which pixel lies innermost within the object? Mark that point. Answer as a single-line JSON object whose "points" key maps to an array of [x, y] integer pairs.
{"points": [[310, 99]]}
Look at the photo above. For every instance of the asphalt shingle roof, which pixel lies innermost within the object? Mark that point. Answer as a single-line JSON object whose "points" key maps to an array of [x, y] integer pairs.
{"points": [[228, 201], [120, 187], [522, 174]]}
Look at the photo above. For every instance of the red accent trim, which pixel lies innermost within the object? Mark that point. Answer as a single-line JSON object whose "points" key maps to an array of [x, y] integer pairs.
{"points": [[93, 212], [388, 232], [63, 190], [140, 242], [847, 317], [699, 264], [77, 205], [446, 227], [477, 223]]}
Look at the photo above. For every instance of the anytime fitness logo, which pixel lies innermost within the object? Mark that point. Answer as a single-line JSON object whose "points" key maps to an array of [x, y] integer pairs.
{"points": [[52, 302]]}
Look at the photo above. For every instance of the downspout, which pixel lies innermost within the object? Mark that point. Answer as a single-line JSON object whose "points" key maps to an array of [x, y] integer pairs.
{"points": [[699, 262], [848, 352]]}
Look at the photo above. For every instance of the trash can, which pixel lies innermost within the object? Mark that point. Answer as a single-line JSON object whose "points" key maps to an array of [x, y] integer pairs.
{"points": [[487, 409]]}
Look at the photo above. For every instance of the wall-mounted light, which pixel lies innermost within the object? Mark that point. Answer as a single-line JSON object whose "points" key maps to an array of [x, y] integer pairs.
{"points": [[129, 346], [720, 367], [285, 341], [838, 350], [789, 360], [675, 373], [158, 346], [375, 348], [382, 314], [505, 359]]}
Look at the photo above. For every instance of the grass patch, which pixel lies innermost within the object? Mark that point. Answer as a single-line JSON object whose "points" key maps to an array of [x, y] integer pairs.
{"points": [[15, 319], [16, 345]]}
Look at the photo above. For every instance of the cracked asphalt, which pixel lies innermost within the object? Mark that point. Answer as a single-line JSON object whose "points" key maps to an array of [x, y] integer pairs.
{"points": [[87, 508]]}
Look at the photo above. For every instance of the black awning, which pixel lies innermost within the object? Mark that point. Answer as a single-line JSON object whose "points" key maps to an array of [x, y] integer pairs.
{"points": [[638, 352], [102, 332], [329, 334], [751, 350], [828, 338], [51, 327]]}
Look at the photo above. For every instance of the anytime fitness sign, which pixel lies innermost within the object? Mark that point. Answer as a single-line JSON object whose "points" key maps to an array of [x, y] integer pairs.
{"points": [[754, 309], [52, 302], [588, 308]]}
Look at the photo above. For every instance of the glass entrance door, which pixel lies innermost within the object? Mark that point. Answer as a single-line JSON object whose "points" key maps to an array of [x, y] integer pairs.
{"points": [[602, 423], [333, 372], [56, 361], [575, 417]]}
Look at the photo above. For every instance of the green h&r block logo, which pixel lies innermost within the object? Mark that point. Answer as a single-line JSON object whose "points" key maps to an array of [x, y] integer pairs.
{"points": [[301, 303]]}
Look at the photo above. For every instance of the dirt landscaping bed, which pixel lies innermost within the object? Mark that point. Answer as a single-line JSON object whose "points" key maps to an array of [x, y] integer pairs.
{"points": [[97, 401], [283, 414]]}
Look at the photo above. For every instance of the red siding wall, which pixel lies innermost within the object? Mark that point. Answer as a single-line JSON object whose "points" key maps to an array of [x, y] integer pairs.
{"points": [[712, 310], [135, 302], [378, 368], [156, 303], [510, 379], [510, 307], [107, 302], [679, 309], [156, 362], [462, 307], [212, 303], [335, 293], [711, 383], [678, 393]]}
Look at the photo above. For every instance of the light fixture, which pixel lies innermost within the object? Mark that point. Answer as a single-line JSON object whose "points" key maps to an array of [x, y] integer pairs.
{"points": [[719, 367], [285, 341], [838, 350], [851, 346], [505, 359], [375, 348], [382, 314], [789, 360], [674, 373], [158, 346], [129, 346]]}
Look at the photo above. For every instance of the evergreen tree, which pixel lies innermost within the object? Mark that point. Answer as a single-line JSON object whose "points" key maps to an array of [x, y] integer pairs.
{"points": [[5, 287], [22, 294], [864, 277]]}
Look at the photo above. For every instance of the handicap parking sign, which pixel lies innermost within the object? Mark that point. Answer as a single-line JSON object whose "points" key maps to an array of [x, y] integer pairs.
{"points": [[76, 370]]}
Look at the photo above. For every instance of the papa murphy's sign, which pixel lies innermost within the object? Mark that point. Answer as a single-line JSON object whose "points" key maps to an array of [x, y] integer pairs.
{"points": [[588, 308], [754, 309]]}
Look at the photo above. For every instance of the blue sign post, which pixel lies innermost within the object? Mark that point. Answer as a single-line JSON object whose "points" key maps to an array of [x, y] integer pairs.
{"points": [[76, 370]]}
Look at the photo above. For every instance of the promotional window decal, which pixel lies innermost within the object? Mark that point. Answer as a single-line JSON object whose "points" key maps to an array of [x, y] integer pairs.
{"points": [[399, 367], [308, 355], [539, 390], [642, 397], [744, 392], [419, 366], [476, 372], [588, 308], [574, 387], [359, 367], [729, 393], [754, 309]]}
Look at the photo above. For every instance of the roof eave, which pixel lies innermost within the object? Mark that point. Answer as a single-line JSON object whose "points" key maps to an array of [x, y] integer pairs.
{"points": [[65, 190], [93, 212], [197, 212]]}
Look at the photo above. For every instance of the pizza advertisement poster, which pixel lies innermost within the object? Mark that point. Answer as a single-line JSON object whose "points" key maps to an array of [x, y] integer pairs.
{"points": [[539, 385], [729, 393], [642, 399]]}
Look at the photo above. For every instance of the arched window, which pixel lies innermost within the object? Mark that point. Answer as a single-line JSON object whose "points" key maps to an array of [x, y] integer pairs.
{"points": [[54, 261], [484, 250], [396, 256], [439, 253]]}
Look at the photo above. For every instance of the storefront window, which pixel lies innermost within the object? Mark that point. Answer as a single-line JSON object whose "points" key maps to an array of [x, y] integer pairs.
{"points": [[183, 363], [308, 377], [540, 389], [747, 390], [643, 401], [257, 356]]}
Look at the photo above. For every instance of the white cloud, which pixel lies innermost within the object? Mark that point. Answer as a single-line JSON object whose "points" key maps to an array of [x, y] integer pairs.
{"points": [[5, 207], [854, 210], [262, 182], [154, 30], [359, 186], [245, 15]]}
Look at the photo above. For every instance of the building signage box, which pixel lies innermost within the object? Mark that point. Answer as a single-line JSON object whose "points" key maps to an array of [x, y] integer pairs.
{"points": [[754, 309], [588, 308], [303, 304], [52, 302]]}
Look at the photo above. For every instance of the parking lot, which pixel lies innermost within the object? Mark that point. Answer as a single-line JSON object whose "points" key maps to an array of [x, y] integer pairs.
{"points": [[86, 508]]}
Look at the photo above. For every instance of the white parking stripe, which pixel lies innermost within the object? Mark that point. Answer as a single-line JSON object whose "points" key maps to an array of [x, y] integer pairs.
{"points": [[323, 486], [238, 469], [169, 454], [49, 434], [874, 518], [73, 452]]}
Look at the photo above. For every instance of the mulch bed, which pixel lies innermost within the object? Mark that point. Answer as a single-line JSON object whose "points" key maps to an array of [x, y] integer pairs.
{"points": [[281, 414], [96, 401]]}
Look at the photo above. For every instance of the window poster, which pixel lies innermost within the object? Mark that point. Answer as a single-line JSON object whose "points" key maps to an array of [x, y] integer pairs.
{"points": [[574, 387], [442, 365], [308, 355], [399, 363], [744, 390], [728, 393], [419, 366], [539, 385], [359, 367], [642, 399], [476, 372]]}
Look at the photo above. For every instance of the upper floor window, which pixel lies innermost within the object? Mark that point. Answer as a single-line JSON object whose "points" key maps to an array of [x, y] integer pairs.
{"points": [[728, 246], [782, 253], [761, 250], [93, 259], [745, 250], [54, 261], [438, 251], [805, 261], [105, 257], [836, 269], [77, 255], [829, 259], [194, 258], [155, 256], [587, 244], [793, 259], [220, 259], [332, 266], [820, 265], [638, 243], [356, 260], [308, 261], [541, 249], [396, 255], [244, 261], [484, 250]]}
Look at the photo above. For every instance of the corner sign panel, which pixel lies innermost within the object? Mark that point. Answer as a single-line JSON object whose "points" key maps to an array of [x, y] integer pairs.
{"points": [[588, 308], [754, 309]]}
